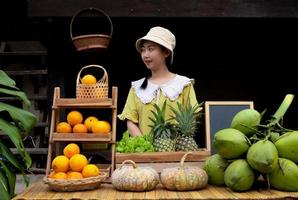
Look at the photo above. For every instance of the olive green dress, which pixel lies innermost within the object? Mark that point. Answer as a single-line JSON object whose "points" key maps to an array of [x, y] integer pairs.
{"points": [[139, 104]]}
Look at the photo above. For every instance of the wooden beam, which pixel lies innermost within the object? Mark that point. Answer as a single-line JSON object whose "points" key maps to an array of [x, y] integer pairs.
{"points": [[167, 8]]}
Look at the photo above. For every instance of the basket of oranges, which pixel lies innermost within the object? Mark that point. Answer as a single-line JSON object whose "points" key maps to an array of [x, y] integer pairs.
{"points": [[72, 172], [88, 87], [71, 185]]}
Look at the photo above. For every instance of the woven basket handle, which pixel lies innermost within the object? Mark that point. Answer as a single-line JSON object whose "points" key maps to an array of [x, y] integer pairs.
{"points": [[104, 78], [86, 10]]}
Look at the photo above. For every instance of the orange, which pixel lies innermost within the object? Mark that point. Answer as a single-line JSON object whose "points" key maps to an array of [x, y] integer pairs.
{"points": [[74, 175], [60, 164], [88, 79], [71, 149], [78, 162], [74, 117], [63, 127], [80, 128], [60, 175], [51, 175], [90, 170], [101, 127], [89, 121]]}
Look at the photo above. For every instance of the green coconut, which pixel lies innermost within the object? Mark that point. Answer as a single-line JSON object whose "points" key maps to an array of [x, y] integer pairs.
{"points": [[230, 143], [239, 176], [215, 167], [285, 176], [263, 156], [287, 146], [274, 136], [246, 121]]}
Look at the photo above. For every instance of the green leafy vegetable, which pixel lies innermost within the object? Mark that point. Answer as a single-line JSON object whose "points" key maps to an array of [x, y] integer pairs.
{"points": [[136, 144]]}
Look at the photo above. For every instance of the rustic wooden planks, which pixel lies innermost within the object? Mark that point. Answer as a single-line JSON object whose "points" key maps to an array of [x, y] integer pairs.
{"points": [[39, 190]]}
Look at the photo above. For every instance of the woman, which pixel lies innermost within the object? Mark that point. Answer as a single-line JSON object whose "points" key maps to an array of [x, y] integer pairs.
{"points": [[157, 50]]}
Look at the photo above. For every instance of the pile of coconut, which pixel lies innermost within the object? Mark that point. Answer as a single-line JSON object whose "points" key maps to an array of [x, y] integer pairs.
{"points": [[254, 149]]}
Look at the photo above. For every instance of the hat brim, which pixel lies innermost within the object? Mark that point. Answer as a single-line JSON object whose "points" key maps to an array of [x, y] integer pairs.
{"points": [[153, 39]]}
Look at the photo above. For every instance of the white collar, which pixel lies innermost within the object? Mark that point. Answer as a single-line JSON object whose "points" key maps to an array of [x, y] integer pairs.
{"points": [[171, 89]]}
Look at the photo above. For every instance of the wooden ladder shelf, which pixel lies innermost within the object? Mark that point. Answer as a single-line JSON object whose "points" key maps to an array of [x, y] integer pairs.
{"points": [[59, 104]]}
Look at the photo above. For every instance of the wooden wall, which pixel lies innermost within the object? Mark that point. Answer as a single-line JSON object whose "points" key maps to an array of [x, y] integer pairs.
{"points": [[242, 52]]}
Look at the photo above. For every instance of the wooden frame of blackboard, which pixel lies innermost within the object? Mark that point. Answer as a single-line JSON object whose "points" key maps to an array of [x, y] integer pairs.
{"points": [[229, 108]]}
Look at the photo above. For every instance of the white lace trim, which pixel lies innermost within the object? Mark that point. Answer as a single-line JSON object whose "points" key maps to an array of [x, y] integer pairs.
{"points": [[172, 89]]}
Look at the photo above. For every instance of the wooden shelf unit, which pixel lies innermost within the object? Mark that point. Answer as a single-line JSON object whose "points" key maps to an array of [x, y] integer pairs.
{"points": [[55, 138]]}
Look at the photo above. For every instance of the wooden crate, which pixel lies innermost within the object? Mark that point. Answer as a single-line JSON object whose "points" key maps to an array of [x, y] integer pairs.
{"points": [[168, 157], [162, 157]]}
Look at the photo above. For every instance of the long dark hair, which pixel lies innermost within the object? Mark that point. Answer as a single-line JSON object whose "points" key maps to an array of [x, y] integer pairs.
{"points": [[168, 63]]}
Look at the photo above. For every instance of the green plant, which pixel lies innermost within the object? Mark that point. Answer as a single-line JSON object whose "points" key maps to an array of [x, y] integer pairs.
{"points": [[129, 144], [163, 131], [16, 123], [187, 118]]}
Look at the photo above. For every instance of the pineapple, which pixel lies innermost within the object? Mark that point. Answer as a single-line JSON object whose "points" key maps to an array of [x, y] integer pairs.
{"points": [[186, 117], [162, 131]]}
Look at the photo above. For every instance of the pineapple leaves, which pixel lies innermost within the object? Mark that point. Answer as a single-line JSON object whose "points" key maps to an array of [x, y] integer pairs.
{"points": [[159, 115], [177, 132], [161, 128], [187, 118]]}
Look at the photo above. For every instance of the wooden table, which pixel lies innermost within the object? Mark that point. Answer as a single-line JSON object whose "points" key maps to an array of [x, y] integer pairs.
{"points": [[39, 190]]}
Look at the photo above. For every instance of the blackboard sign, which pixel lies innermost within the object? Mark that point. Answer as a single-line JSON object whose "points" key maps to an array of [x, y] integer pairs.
{"points": [[219, 115]]}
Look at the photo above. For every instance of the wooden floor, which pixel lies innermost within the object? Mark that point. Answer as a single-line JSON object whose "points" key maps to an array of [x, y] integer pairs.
{"points": [[40, 191]]}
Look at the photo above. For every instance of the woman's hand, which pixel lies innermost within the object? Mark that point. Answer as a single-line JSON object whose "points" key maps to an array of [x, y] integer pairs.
{"points": [[133, 128]]}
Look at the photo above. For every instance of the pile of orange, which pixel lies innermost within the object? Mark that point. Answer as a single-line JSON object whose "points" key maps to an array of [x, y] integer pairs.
{"points": [[72, 165], [76, 124]]}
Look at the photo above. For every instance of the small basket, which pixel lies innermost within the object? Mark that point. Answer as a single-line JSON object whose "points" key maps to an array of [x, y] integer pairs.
{"points": [[93, 91], [91, 42], [71, 185]]}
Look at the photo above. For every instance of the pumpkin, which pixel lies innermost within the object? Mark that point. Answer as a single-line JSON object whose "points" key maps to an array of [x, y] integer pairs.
{"points": [[133, 178], [184, 178]]}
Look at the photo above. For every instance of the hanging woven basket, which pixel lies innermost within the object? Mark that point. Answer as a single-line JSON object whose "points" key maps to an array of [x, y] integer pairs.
{"points": [[93, 91], [91, 42]]}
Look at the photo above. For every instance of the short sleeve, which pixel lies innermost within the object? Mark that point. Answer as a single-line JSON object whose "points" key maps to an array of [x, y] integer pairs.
{"points": [[190, 94], [130, 110]]}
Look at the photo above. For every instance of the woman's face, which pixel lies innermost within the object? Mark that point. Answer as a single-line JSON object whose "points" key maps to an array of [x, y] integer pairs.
{"points": [[153, 55]]}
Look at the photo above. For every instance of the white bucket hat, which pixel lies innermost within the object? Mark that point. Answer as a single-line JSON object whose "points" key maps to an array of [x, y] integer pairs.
{"points": [[161, 36]]}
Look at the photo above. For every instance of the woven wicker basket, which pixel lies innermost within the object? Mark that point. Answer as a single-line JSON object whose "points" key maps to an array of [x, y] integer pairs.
{"points": [[61, 185], [93, 91], [91, 42]]}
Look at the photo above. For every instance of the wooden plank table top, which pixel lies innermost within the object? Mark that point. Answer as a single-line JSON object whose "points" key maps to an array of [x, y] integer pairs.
{"points": [[39, 190]]}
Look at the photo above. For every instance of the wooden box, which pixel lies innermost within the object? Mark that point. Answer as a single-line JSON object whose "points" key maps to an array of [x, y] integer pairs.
{"points": [[166, 157], [218, 115], [160, 157]]}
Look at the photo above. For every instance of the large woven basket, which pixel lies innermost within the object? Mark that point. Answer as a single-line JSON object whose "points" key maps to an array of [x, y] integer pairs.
{"points": [[70, 185], [93, 91], [91, 42]]}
